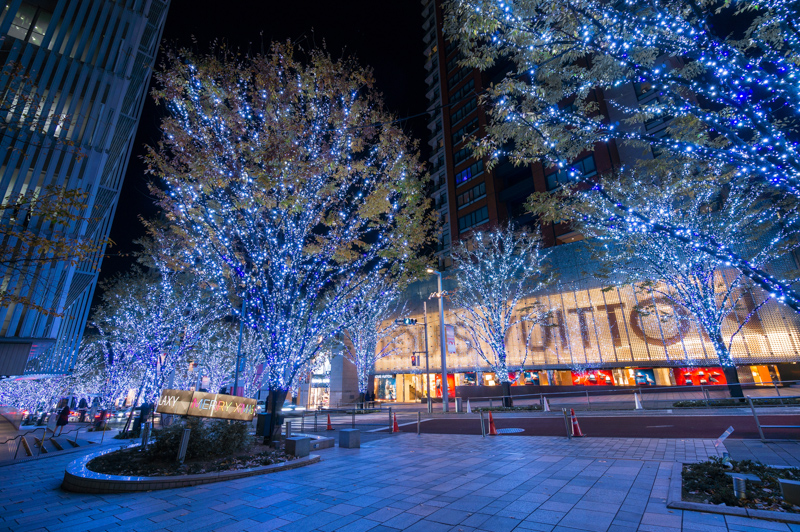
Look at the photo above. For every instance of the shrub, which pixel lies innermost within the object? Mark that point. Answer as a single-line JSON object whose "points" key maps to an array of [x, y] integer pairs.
{"points": [[208, 438]]}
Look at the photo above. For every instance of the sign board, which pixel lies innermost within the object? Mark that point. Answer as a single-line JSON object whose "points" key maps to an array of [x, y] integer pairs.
{"points": [[174, 402], [210, 405], [450, 334], [721, 439]]}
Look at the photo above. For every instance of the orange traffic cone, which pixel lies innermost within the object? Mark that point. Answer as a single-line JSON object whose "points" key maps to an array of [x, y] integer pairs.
{"points": [[576, 429], [330, 427], [395, 426], [492, 430]]}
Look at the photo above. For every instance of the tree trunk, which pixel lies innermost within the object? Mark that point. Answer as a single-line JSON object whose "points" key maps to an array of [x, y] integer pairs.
{"points": [[506, 387], [728, 367], [734, 386], [274, 405]]}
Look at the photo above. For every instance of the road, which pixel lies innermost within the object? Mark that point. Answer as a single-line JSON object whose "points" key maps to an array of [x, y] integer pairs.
{"points": [[621, 426]]}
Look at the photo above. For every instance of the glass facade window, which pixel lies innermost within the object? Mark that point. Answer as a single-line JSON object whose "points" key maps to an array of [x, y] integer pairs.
{"points": [[473, 219], [474, 170], [453, 63], [464, 132], [463, 92], [454, 80], [462, 112], [462, 155], [29, 24], [643, 90], [585, 167], [472, 195]]}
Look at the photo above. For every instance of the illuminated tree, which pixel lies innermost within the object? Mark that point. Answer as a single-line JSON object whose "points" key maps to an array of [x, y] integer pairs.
{"points": [[723, 76], [498, 272], [749, 217], [148, 324], [32, 395], [372, 334], [292, 188]]}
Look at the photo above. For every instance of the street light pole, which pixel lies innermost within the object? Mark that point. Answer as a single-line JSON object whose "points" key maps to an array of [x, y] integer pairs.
{"points": [[445, 398], [239, 352], [427, 367]]}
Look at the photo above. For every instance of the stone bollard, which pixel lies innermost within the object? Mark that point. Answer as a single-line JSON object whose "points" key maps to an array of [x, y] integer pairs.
{"points": [[298, 446], [350, 438]]}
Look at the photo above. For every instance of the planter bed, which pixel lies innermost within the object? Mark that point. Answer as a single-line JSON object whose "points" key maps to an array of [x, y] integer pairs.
{"points": [[78, 478], [676, 500]]}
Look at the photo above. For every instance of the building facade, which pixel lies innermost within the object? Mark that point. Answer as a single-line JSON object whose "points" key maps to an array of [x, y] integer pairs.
{"points": [[74, 79], [596, 337]]}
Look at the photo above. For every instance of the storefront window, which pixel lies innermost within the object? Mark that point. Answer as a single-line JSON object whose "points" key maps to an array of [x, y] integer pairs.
{"points": [[765, 375], [386, 387], [699, 376]]}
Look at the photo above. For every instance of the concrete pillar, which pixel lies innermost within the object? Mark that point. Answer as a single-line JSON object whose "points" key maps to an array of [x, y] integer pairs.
{"points": [[344, 382]]}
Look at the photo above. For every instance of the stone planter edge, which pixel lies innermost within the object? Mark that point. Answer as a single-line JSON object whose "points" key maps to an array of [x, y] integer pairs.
{"points": [[79, 479]]}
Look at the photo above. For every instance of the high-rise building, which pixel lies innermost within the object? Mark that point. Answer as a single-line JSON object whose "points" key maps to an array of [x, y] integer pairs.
{"points": [[465, 193], [74, 78]]}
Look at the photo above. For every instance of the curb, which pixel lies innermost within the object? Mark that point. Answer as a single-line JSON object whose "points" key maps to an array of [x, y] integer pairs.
{"points": [[674, 501], [78, 479]]}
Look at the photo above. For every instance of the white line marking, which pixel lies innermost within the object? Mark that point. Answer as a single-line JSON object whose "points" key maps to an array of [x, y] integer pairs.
{"points": [[401, 425]]}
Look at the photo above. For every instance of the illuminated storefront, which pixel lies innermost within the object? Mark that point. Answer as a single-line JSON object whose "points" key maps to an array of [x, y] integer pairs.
{"points": [[597, 337]]}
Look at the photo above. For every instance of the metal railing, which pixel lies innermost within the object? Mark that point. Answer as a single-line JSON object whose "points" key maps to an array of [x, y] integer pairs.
{"points": [[758, 423], [21, 437], [617, 397]]}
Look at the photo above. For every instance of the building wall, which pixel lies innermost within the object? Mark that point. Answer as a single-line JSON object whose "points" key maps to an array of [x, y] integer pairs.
{"points": [[86, 64]]}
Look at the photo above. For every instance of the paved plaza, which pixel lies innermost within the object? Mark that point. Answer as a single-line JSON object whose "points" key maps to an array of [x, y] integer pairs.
{"points": [[427, 483]]}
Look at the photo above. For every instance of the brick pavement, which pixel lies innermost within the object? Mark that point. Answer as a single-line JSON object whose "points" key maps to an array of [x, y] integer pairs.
{"points": [[428, 483]]}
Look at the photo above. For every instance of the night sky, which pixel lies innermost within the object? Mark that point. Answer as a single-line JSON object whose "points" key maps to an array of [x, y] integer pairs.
{"points": [[385, 34]]}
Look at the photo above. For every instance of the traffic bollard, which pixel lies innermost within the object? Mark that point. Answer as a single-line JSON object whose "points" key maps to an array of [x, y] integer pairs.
{"points": [[390, 419], [483, 427], [567, 423], [353, 424], [419, 421]]}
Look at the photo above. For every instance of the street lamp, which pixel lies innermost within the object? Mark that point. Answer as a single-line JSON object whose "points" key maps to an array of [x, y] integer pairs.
{"points": [[440, 295]]}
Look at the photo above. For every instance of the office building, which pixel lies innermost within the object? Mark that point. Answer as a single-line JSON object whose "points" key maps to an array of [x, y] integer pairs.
{"points": [[74, 79]]}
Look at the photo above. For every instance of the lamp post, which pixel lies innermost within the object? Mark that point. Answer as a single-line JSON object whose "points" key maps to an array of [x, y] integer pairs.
{"points": [[440, 295], [239, 351]]}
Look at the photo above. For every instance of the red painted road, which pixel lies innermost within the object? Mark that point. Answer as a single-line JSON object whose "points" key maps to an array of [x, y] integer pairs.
{"points": [[623, 426]]}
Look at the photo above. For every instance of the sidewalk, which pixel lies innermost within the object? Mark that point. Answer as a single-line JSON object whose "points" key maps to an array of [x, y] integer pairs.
{"points": [[428, 483]]}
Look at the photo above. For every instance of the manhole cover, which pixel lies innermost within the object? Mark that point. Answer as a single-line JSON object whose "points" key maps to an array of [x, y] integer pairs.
{"points": [[509, 431]]}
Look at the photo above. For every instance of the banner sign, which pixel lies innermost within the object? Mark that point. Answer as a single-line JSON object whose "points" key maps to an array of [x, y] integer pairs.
{"points": [[450, 333], [211, 405]]}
